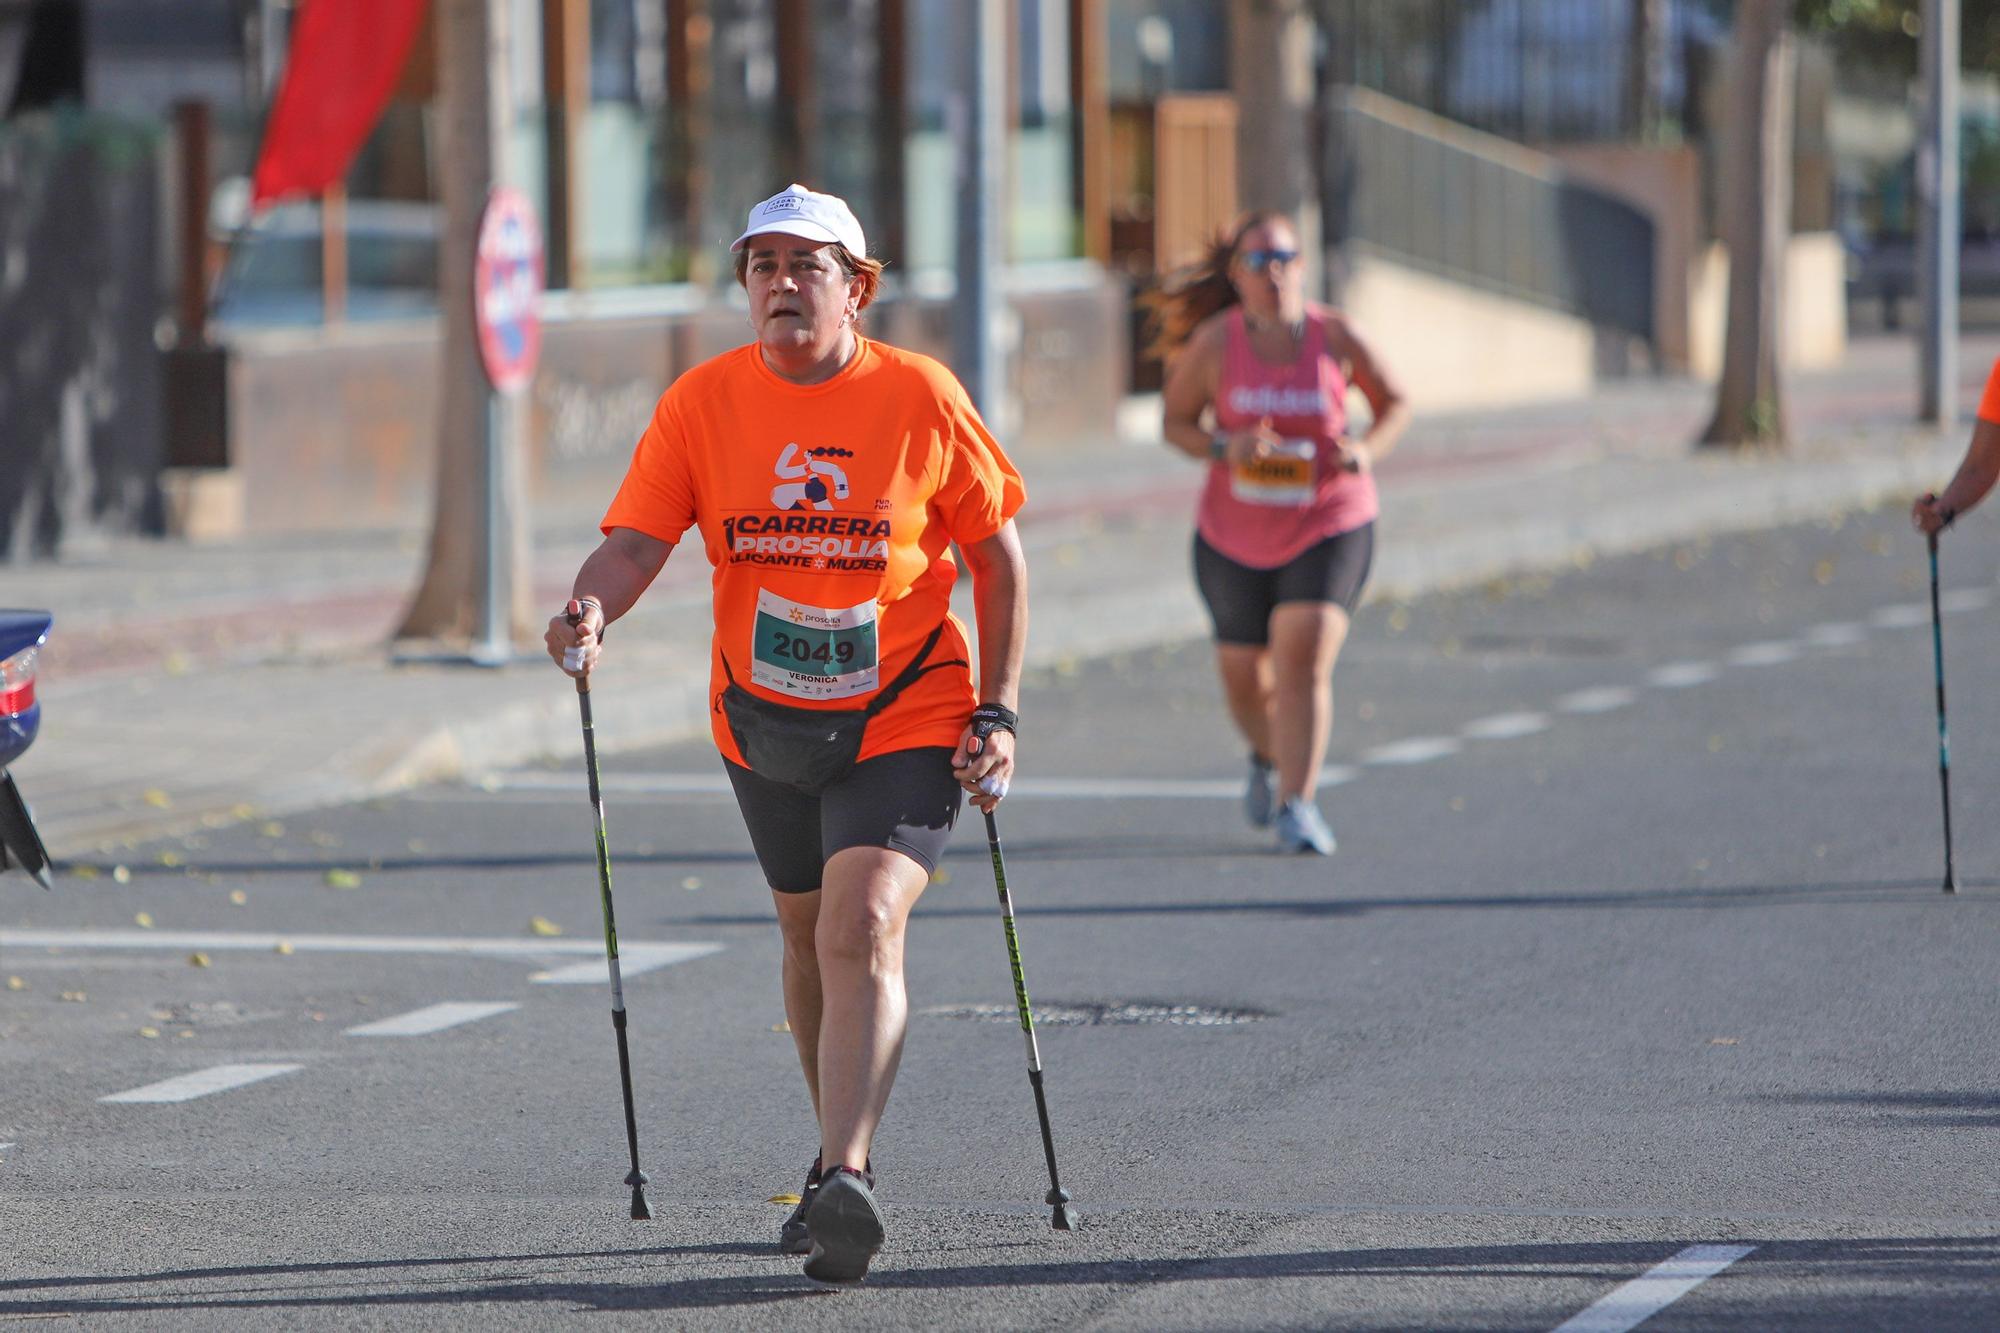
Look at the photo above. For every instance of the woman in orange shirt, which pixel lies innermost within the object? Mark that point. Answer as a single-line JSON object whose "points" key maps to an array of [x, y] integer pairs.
{"points": [[1975, 475], [829, 476]]}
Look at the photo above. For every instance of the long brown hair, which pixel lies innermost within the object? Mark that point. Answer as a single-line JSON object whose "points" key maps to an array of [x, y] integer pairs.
{"points": [[1191, 293]]}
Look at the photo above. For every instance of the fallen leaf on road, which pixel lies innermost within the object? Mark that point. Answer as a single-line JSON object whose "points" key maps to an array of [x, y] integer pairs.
{"points": [[156, 798], [941, 876], [271, 828], [1823, 572], [149, 1034], [73, 997], [784, 1198], [284, 946], [1722, 1041], [342, 879], [197, 960], [781, 1027], [185, 1032], [122, 874], [238, 897], [83, 872], [170, 859], [242, 811], [541, 925], [144, 920], [15, 983], [691, 883]]}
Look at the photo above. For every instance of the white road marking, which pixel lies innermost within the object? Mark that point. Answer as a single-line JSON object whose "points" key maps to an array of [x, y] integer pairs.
{"points": [[1653, 1291], [1602, 699], [1964, 599], [1836, 634], [432, 1018], [1770, 653], [633, 958], [1680, 675], [1903, 615], [187, 1087], [1417, 750], [1505, 726], [1043, 788]]}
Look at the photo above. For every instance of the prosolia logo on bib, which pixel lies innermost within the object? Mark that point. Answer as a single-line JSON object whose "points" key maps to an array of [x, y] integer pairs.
{"points": [[802, 532]]}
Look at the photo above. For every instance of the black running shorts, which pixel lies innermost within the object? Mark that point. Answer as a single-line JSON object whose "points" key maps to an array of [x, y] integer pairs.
{"points": [[1240, 597], [906, 800]]}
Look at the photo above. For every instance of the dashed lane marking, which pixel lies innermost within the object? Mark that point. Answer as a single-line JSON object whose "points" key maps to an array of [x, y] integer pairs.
{"points": [[1417, 750], [1903, 615], [1681, 675], [1836, 634], [431, 1018], [633, 958], [1505, 726], [187, 1087], [1068, 789], [1602, 699], [1772, 653], [1653, 1291]]}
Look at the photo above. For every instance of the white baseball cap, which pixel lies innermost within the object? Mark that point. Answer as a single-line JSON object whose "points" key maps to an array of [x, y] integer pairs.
{"points": [[797, 211]]}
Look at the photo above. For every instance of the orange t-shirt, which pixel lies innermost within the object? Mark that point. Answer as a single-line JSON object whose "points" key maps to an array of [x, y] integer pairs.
{"points": [[828, 511], [1989, 402]]}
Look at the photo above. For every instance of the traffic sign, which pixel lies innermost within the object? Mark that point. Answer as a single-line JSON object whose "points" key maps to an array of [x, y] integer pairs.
{"points": [[507, 290]]}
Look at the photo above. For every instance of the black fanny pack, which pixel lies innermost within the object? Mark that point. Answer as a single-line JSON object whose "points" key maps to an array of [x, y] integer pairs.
{"points": [[810, 748]]}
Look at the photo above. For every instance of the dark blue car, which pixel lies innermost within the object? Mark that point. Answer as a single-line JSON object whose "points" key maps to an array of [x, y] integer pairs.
{"points": [[22, 634]]}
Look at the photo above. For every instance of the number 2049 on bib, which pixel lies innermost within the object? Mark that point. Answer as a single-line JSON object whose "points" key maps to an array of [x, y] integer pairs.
{"points": [[814, 652]]}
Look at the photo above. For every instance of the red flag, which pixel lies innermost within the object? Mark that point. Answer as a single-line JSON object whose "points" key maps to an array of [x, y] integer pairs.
{"points": [[345, 58]]}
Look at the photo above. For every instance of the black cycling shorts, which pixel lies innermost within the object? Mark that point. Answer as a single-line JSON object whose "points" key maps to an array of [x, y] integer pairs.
{"points": [[906, 800], [1240, 597]]}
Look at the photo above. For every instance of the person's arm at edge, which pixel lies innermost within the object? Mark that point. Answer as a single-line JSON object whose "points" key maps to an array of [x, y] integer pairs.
{"points": [[1969, 485], [1000, 605], [610, 581], [1385, 397], [1189, 390]]}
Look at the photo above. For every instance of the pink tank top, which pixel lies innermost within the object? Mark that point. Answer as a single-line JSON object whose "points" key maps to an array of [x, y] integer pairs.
{"points": [[1266, 514]]}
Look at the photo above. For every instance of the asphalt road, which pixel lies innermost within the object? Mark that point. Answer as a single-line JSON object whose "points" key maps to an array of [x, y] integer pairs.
{"points": [[1633, 955]]}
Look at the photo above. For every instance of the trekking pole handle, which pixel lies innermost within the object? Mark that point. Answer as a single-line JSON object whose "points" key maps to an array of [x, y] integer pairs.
{"points": [[573, 657]]}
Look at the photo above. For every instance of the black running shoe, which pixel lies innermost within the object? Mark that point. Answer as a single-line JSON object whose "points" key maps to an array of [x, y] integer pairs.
{"points": [[845, 1225], [792, 1237]]}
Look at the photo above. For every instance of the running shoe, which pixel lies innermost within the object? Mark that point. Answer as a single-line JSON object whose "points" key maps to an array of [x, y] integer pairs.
{"points": [[846, 1227], [1301, 828], [792, 1237], [1259, 794]]}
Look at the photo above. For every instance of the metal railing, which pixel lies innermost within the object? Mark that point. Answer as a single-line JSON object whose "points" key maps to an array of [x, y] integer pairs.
{"points": [[1482, 211]]}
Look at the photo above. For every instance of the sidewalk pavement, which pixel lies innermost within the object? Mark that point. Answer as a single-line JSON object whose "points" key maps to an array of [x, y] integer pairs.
{"points": [[190, 686]]}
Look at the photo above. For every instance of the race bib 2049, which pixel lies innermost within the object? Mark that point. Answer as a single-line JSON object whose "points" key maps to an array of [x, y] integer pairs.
{"points": [[814, 652]]}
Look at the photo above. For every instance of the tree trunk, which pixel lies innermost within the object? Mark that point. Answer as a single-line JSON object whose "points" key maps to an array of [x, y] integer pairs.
{"points": [[1756, 207], [473, 53], [1271, 77]]}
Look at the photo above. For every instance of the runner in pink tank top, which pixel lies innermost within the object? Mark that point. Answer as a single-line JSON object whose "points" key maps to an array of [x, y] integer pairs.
{"points": [[1257, 388], [1266, 512]]}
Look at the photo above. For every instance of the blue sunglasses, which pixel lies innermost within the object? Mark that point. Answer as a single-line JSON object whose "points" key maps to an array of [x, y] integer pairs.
{"points": [[1259, 260]]}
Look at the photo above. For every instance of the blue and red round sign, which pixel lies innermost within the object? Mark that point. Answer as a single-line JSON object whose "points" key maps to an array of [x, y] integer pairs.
{"points": [[507, 290]]}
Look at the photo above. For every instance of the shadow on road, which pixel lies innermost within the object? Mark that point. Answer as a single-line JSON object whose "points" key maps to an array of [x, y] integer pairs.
{"points": [[1936, 1264]]}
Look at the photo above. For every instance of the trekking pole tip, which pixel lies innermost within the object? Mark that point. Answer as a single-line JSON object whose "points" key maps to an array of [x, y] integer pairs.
{"points": [[1059, 1200], [642, 1208]]}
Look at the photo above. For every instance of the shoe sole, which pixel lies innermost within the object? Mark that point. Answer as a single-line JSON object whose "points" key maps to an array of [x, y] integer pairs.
{"points": [[846, 1229]]}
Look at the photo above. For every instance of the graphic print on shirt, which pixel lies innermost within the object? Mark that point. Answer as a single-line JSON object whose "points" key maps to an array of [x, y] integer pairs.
{"points": [[799, 533], [817, 463]]}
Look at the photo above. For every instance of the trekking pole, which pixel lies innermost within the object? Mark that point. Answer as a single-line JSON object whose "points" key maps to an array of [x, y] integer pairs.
{"points": [[1944, 737], [641, 1209], [1058, 1197]]}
